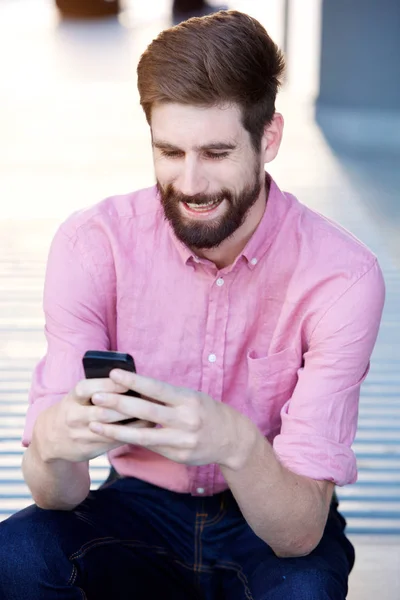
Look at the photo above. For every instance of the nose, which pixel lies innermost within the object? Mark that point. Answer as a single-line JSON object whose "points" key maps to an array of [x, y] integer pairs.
{"points": [[190, 180]]}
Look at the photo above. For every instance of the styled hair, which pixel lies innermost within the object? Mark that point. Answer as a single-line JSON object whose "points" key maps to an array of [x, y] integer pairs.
{"points": [[224, 58]]}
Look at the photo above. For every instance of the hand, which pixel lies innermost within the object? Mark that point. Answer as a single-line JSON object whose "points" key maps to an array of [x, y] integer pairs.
{"points": [[62, 431], [195, 429]]}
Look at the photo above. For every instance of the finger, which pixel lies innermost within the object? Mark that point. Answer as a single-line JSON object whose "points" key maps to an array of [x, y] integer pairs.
{"points": [[104, 415], [152, 388], [90, 438], [135, 407], [87, 436], [146, 437], [85, 389]]}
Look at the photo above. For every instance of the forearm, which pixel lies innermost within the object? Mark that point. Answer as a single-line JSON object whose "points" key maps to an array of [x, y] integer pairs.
{"points": [[286, 510], [55, 484]]}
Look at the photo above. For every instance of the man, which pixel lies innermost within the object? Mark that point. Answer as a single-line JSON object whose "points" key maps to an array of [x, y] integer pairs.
{"points": [[251, 320]]}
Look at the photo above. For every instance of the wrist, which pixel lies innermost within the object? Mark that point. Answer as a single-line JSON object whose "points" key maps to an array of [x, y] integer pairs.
{"points": [[245, 438], [42, 440]]}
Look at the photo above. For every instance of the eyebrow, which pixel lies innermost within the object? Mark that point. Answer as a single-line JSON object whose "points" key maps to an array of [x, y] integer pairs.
{"points": [[161, 145]]}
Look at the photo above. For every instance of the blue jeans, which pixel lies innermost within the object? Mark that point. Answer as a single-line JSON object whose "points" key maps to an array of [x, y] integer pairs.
{"points": [[133, 540]]}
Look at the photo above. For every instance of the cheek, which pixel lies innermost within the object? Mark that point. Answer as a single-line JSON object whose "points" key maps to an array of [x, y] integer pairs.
{"points": [[165, 172], [231, 175], [224, 173]]}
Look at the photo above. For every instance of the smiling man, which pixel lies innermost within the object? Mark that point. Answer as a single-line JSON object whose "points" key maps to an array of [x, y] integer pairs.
{"points": [[213, 194], [251, 320]]}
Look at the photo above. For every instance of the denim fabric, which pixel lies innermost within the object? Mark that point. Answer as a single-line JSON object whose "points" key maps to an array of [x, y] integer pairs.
{"points": [[132, 540]]}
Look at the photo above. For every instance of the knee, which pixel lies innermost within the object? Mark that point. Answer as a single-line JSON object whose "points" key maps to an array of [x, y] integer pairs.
{"points": [[312, 584], [25, 538]]}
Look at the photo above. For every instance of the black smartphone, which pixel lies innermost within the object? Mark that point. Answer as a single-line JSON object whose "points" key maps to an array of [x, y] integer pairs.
{"points": [[98, 364]]}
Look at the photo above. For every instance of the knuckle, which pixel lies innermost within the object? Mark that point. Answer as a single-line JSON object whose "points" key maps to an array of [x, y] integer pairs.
{"points": [[117, 388], [193, 422], [158, 389], [75, 435], [80, 389], [100, 414], [71, 419], [121, 404], [153, 412], [190, 418]]}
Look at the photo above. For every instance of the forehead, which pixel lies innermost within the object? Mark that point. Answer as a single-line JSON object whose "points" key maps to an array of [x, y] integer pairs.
{"points": [[190, 126]]}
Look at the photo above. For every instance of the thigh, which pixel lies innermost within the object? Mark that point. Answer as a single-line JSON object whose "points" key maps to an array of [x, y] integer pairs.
{"points": [[105, 548], [253, 572]]}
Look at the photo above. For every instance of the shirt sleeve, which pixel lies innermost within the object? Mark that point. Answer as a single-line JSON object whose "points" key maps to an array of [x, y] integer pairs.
{"points": [[319, 422], [75, 321]]}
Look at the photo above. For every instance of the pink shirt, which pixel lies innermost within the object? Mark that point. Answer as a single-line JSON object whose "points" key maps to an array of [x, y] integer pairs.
{"points": [[284, 334]]}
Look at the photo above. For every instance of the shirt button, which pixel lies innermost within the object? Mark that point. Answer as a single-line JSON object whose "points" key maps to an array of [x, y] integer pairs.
{"points": [[200, 490], [196, 259], [220, 282], [254, 261], [212, 358]]}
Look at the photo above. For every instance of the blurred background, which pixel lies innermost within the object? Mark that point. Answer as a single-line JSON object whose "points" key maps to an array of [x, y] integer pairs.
{"points": [[72, 132]]}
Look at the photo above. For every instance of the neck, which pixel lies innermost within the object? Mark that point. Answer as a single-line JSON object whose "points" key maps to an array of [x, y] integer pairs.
{"points": [[227, 252]]}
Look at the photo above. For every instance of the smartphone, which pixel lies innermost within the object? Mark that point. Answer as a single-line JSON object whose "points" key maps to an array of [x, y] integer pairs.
{"points": [[98, 364]]}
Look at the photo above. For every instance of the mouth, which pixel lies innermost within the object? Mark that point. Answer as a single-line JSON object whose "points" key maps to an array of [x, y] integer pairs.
{"points": [[202, 209]]}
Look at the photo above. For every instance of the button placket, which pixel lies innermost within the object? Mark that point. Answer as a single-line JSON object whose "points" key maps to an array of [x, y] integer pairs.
{"points": [[212, 376]]}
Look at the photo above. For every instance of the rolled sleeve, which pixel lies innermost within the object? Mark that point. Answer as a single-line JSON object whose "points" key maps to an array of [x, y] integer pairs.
{"points": [[75, 321], [319, 422]]}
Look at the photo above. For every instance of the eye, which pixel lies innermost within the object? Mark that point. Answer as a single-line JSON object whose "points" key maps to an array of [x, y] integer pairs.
{"points": [[215, 155], [171, 153]]}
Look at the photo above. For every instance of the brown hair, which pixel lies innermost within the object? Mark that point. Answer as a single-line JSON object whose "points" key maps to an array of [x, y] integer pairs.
{"points": [[227, 57]]}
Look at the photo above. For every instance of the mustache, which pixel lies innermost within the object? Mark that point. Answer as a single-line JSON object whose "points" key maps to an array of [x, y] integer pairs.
{"points": [[170, 194]]}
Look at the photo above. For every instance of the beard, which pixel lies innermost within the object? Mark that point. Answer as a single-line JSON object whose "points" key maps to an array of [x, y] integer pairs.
{"points": [[211, 233]]}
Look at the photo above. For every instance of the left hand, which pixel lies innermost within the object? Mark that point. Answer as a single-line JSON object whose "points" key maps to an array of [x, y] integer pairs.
{"points": [[195, 429]]}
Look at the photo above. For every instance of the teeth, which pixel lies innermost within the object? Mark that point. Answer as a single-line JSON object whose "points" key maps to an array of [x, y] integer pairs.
{"points": [[202, 206]]}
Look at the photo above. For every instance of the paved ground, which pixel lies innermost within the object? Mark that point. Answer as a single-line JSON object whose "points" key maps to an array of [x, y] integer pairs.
{"points": [[72, 133]]}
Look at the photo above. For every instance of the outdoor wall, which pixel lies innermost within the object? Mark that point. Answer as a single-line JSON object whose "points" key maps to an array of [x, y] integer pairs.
{"points": [[359, 97]]}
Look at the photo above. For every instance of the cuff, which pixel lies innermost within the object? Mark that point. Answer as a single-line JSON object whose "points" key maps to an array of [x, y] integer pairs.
{"points": [[317, 458]]}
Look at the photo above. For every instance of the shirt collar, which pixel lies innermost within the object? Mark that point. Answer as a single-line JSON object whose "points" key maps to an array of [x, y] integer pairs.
{"points": [[268, 227], [262, 238]]}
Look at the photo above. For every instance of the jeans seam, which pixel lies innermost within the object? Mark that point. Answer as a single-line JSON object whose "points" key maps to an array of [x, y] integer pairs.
{"points": [[200, 524], [215, 520], [197, 566], [92, 544], [132, 543], [104, 541], [197, 562], [221, 513], [72, 580], [201, 545], [241, 576], [73, 575]]}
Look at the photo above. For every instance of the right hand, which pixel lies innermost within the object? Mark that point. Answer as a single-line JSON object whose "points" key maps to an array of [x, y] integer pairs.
{"points": [[62, 431]]}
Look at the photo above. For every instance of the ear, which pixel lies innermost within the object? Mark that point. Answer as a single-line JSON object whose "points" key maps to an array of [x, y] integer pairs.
{"points": [[272, 138]]}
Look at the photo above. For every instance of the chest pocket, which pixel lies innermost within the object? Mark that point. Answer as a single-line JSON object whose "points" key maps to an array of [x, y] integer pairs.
{"points": [[270, 384]]}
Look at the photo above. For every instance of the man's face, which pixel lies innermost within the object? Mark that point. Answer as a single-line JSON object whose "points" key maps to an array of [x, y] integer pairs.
{"points": [[208, 174]]}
